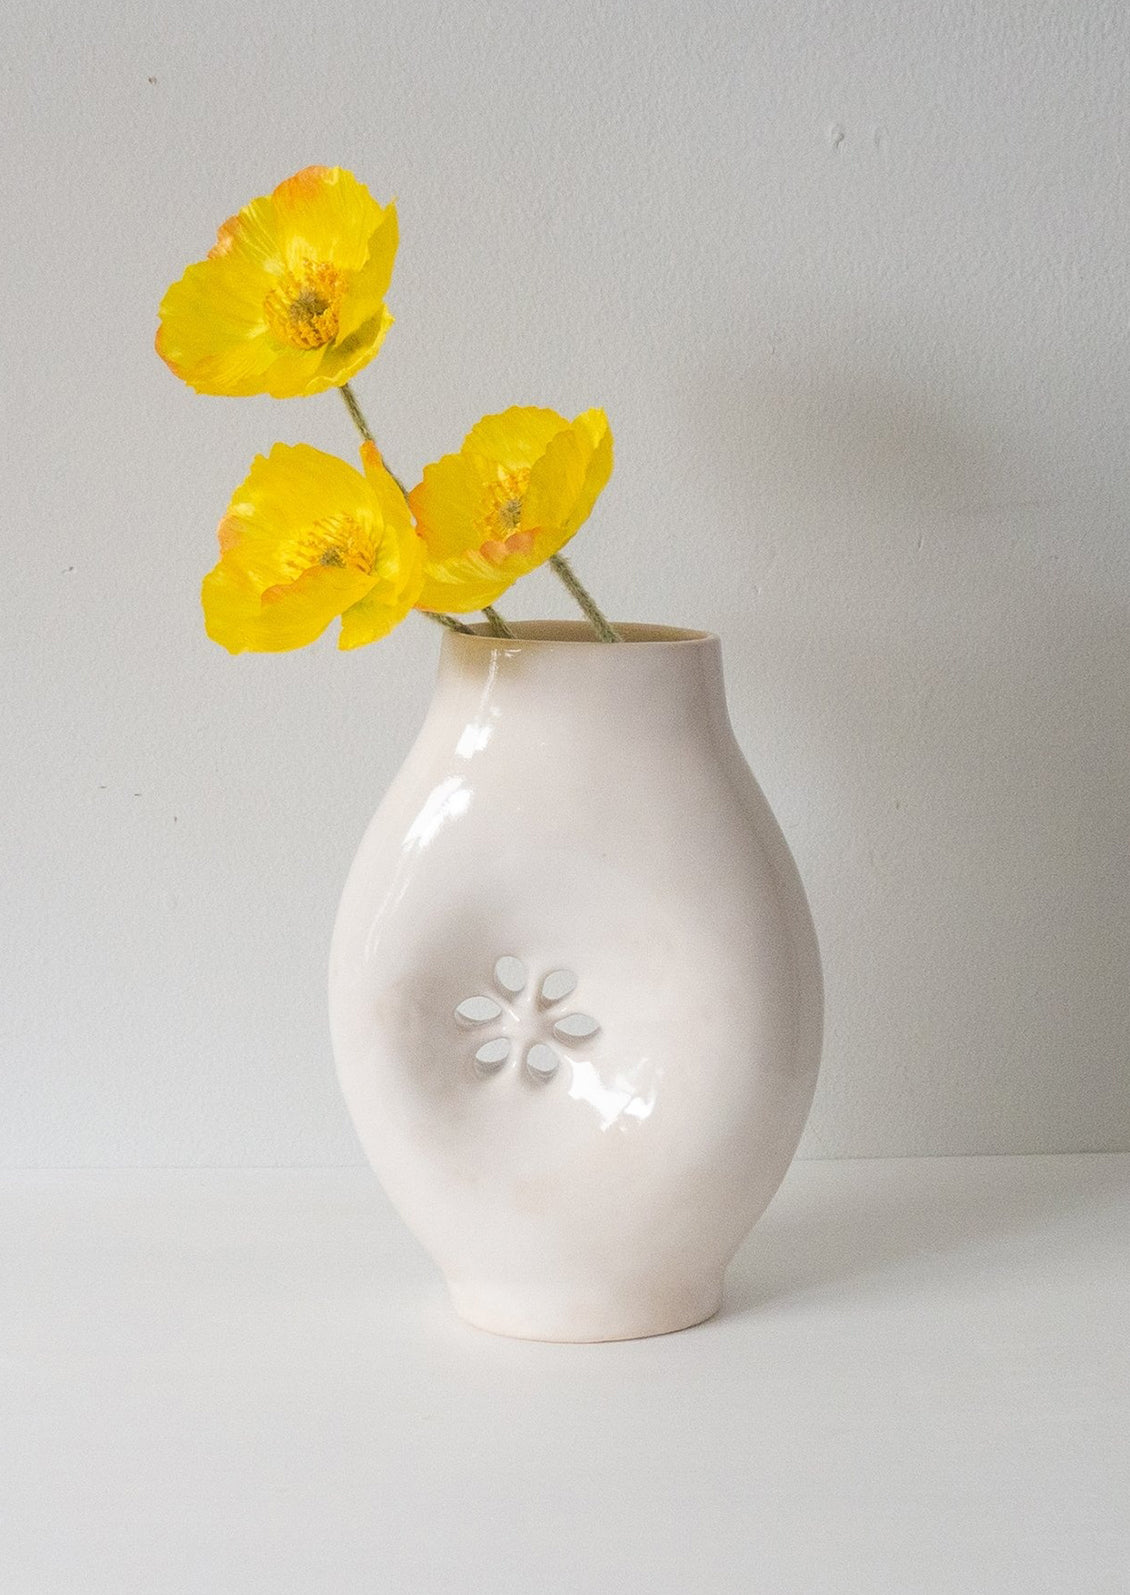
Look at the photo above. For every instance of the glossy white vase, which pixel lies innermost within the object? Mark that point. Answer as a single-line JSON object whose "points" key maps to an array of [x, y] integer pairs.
{"points": [[574, 988]]}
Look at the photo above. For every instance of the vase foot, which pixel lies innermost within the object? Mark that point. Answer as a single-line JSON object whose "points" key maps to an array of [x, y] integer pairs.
{"points": [[585, 1318]]}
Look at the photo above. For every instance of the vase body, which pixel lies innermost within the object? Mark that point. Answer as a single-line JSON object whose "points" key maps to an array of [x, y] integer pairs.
{"points": [[574, 989]]}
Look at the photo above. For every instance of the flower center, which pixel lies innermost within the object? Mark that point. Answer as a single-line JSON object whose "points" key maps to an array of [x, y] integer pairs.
{"points": [[510, 513], [303, 309], [339, 542], [502, 517]]}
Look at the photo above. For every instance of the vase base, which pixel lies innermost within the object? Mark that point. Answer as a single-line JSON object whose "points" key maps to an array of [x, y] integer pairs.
{"points": [[518, 1316]]}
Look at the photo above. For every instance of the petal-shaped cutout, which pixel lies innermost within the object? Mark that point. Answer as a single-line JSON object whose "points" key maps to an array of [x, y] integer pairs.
{"points": [[492, 1055], [576, 1027], [478, 1010], [557, 985], [542, 1061], [510, 972]]}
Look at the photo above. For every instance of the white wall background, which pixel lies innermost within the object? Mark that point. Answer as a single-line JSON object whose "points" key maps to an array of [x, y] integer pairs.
{"points": [[851, 281]]}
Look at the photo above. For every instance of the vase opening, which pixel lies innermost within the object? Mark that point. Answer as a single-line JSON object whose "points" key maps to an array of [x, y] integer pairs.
{"points": [[579, 631]]}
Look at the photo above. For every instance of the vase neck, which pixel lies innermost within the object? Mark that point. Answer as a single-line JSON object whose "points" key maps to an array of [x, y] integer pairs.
{"points": [[656, 677]]}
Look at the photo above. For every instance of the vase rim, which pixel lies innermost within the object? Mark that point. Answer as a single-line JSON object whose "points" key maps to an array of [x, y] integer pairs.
{"points": [[574, 633]]}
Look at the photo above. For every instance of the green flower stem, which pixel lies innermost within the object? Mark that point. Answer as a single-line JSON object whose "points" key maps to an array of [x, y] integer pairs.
{"points": [[349, 399], [446, 620], [605, 632], [497, 625], [357, 416]]}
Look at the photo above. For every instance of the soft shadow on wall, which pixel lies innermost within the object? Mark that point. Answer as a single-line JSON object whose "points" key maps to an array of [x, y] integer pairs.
{"points": [[930, 672]]}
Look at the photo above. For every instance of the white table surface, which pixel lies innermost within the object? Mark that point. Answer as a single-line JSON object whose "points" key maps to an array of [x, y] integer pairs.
{"points": [[226, 1382]]}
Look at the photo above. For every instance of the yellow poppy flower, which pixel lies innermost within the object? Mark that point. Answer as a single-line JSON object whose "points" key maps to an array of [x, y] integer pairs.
{"points": [[521, 485], [306, 538], [290, 300]]}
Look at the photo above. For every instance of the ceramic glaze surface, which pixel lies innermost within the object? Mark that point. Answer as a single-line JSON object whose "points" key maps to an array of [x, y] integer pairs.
{"points": [[574, 987]]}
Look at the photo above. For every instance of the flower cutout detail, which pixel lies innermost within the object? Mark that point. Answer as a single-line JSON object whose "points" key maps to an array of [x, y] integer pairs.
{"points": [[307, 538], [518, 489], [290, 299], [522, 1023]]}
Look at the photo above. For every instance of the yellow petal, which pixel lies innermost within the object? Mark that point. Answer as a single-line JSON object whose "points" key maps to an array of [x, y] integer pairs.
{"points": [[446, 505], [390, 496], [566, 481], [463, 585], [213, 330], [236, 616], [514, 439], [324, 213], [399, 566], [295, 487], [387, 602], [365, 295]]}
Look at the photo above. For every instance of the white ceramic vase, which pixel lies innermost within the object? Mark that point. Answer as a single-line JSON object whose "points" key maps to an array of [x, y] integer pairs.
{"points": [[574, 988]]}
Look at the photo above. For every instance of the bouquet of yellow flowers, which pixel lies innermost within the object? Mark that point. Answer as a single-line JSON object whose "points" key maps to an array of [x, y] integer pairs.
{"points": [[574, 824], [290, 301]]}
